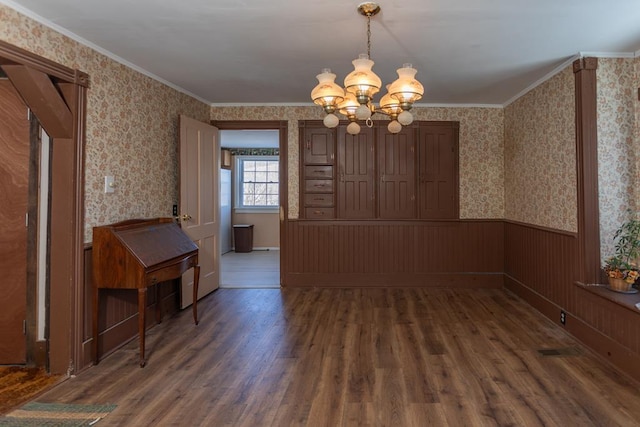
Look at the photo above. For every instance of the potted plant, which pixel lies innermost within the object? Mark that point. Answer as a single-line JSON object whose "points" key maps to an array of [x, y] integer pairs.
{"points": [[622, 268]]}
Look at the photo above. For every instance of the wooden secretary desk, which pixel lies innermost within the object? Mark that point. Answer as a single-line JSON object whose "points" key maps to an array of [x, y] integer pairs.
{"points": [[137, 254]]}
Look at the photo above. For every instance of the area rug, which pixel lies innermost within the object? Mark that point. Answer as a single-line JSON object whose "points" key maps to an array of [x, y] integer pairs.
{"points": [[56, 414], [20, 384]]}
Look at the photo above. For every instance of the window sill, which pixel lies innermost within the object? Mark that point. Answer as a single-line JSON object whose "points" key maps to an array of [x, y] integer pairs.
{"points": [[256, 210], [628, 301]]}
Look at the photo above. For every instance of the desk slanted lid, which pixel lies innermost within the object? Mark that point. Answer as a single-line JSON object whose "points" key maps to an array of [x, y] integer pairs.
{"points": [[156, 243]]}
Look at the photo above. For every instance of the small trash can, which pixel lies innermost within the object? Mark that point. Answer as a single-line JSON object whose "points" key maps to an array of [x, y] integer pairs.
{"points": [[243, 237]]}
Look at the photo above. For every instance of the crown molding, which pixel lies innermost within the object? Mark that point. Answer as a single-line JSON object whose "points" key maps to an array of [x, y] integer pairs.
{"points": [[608, 54], [436, 105], [559, 68], [262, 104]]}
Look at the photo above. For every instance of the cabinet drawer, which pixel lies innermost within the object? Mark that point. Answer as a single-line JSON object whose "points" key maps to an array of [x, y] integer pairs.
{"points": [[324, 200], [319, 213], [321, 172], [318, 186]]}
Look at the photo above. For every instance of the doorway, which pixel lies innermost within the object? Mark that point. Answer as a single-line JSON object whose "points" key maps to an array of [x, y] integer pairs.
{"points": [[57, 96], [251, 178]]}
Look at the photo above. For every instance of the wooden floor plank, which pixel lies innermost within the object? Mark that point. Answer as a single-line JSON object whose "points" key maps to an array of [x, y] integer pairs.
{"points": [[357, 357]]}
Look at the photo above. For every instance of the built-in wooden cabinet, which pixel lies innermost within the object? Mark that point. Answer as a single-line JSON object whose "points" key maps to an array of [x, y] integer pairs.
{"points": [[317, 148], [379, 175]]}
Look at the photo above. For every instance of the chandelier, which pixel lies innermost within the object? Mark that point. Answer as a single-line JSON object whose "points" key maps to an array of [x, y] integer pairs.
{"points": [[355, 101]]}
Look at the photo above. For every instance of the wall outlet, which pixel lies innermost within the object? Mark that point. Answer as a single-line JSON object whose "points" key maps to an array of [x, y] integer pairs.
{"points": [[563, 317], [175, 210]]}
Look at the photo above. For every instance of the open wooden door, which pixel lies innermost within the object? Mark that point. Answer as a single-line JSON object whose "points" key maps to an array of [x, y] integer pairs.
{"points": [[14, 176], [199, 188]]}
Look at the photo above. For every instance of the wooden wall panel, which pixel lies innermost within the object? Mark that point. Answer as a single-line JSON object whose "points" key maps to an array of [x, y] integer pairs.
{"points": [[546, 261], [542, 267], [394, 253]]}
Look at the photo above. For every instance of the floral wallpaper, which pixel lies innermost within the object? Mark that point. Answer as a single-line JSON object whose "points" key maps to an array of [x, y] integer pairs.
{"points": [[618, 140], [481, 144], [540, 157], [132, 126], [636, 138], [481, 147]]}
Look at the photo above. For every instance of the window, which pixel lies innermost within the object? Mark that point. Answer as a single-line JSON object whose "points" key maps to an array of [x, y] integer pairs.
{"points": [[257, 182]]}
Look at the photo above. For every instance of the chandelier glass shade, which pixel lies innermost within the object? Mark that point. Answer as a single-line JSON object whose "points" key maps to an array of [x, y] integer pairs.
{"points": [[355, 101]]}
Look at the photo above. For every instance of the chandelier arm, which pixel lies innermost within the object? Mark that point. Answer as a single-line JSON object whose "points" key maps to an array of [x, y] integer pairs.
{"points": [[380, 111]]}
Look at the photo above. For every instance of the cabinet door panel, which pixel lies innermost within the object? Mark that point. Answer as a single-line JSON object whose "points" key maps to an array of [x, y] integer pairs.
{"points": [[437, 158], [396, 160], [318, 146], [356, 172]]}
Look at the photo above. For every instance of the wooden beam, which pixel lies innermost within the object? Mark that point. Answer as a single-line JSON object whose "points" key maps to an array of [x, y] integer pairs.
{"points": [[68, 92], [587, 169], [40, 94]]}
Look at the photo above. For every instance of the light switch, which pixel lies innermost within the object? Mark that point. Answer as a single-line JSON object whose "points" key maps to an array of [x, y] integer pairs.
{"points": [[109, 184]]}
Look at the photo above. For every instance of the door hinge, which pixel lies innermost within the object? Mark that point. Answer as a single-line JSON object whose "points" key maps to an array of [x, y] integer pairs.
{"points": [[24, 327], [26, 220], [29, 114]]}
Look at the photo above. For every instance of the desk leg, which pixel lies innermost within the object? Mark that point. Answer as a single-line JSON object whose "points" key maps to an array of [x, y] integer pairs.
{"points": [[196, 279], [158, 307], [142, 307], [94, 320]]}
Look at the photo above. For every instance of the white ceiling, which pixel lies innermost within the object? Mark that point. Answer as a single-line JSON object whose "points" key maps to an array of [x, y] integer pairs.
{"points": [[269, 51]]}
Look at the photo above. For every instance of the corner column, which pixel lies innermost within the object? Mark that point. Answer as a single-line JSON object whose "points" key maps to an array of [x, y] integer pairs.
{"points": [[584, 70]]}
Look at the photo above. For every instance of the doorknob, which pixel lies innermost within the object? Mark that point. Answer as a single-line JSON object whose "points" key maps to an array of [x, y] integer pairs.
{"points": [[186, 217]]}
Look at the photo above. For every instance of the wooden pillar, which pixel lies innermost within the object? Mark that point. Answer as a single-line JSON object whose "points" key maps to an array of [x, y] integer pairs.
{"points": [[587, 170]]}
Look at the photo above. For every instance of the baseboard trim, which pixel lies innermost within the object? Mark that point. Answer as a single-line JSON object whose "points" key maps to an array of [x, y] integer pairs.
{"points": [[607, 349], [360, 280]]}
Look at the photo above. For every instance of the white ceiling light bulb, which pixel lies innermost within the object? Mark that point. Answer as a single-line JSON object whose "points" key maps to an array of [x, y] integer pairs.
{"points": [[331, 120], [405, 118], [394, 126], [353, 128], [363, 112]]}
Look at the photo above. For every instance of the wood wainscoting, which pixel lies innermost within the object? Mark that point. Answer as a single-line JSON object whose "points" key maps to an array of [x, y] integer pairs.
{"points": [[541, 267], [461, 253], [118, 322]]}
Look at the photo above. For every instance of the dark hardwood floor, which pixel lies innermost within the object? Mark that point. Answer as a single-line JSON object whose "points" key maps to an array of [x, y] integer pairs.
{"points": [[357, 357]]}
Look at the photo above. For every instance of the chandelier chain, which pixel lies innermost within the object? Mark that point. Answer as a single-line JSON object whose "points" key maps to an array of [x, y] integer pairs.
{"points": [[368, 36]]}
